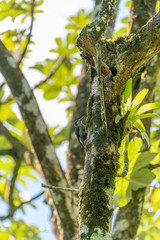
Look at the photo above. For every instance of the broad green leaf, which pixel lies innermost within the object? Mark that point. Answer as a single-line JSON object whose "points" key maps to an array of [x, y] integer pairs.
{"points": [[124, 20], [4, 143], [27, 171], [6, 112], [121, 161], [155, 199], [148, 107], [139, 97], [144, 159], [157, 6], [141, 178], [142, 116], [156, 171], [121, 195], [59, 42], [52, 92], [139, 125], [128, 4], [4, 235], [133, 152]]}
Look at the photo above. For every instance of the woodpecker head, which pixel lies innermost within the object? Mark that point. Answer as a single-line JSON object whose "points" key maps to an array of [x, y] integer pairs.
{"points": [[75, 123]]}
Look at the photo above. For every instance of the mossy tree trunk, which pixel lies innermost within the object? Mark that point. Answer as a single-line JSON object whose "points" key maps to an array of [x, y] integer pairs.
{"points": [[126, 56]]}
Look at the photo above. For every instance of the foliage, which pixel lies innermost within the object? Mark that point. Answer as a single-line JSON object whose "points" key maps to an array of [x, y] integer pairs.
{"points": [[61, 86], [134, 112], [138, 175], [20, 231]]}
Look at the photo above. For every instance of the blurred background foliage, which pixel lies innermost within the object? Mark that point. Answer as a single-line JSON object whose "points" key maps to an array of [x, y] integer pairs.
{"points": [[60, 79]]}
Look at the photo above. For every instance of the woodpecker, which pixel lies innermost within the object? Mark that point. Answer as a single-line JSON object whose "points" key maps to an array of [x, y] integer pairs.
{"points": [[80, 131], [107, 73]]}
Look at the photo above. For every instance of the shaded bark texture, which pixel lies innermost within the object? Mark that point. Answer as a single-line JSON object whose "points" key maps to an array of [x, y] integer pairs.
{"points": [[126, 55]]}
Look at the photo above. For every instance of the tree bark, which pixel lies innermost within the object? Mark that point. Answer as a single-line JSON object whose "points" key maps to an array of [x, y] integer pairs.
{"points": [[41, 141], [126, 55]]}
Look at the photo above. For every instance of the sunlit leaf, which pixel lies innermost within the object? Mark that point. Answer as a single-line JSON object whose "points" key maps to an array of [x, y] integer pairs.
{"points": [[148, 107], [141, 178], [144, 159], [128, 4], [139, 125], [139, 97], [142, 116], [122, 196], [4, 143]]}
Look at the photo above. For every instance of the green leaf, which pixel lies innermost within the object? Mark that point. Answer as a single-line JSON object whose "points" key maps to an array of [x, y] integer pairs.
{"points": [[128, 4], [62, 135], [122, 31], [144, 159], [139, 125], [155, 199], [139, 97], [124, 20], [141, 178], [122, 195], [52, 92], [1, 93], [148, 107], [4, 143], [142, 116], [133, 152]]}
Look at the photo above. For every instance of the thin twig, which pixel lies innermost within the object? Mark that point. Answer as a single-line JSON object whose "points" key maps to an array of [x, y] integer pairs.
{"points": [[12, 184], [60, 188], [53, 71], [17, 146], [30, 32], [32, 199], [2, 218], [6, 152], [8, 100]]}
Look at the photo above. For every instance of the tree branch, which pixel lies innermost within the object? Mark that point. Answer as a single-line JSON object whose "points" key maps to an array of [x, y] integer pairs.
{"points": [[17, 147], [53, 71], [59, 188], [137, 19], [30, 32], [91, 33], [12, 184], [2, 218], [40, 139]]}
